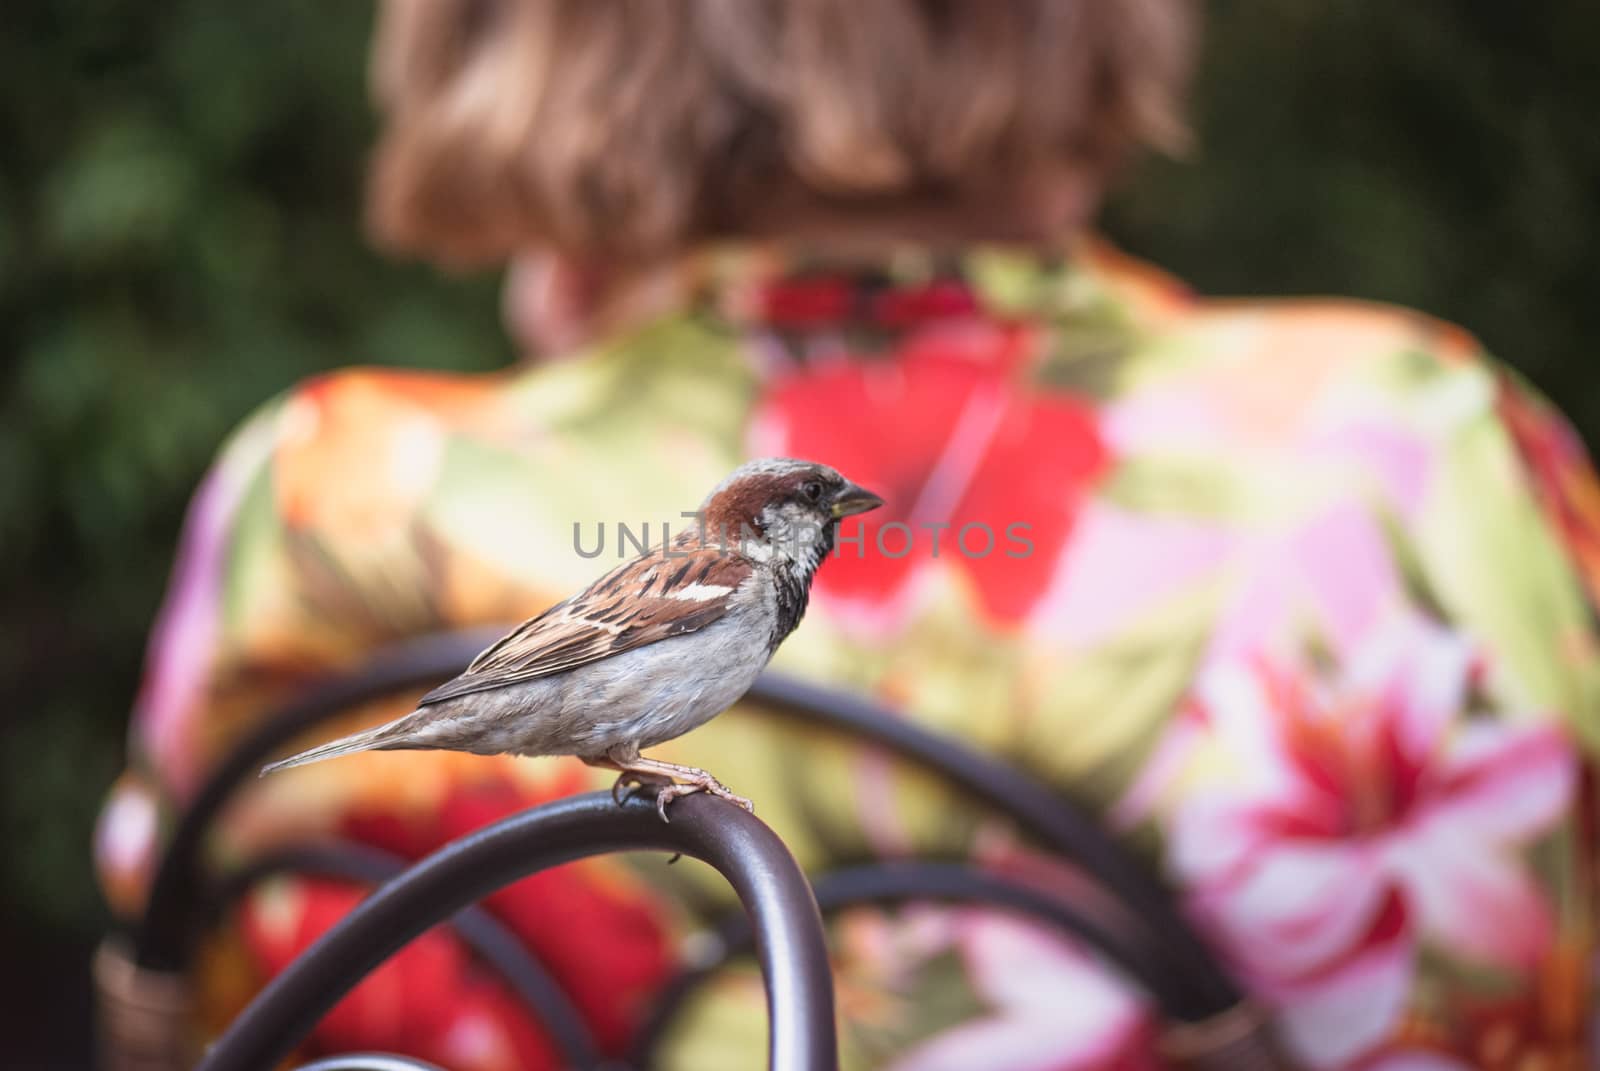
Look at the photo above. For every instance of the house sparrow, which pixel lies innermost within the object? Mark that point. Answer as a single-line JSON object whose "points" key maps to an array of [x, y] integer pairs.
{"points": [[659, 645]]}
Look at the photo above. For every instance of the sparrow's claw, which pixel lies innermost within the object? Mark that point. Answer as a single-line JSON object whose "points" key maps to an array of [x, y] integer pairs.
{"points": [[634, 777], [732, 797]]}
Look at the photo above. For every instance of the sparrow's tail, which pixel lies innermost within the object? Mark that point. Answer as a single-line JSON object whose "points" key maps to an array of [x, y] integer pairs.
{"points": [[391, 735]]}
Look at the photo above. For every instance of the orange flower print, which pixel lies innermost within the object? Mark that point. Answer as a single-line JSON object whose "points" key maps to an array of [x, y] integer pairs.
{"points": [[355, 457]]}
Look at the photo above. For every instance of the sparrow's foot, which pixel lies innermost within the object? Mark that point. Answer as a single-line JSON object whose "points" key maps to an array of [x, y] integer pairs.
{"points": [[676, 780], [704, 783]]}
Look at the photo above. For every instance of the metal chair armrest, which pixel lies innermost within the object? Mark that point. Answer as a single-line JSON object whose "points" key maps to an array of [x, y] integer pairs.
{"points": [[788, 927]]}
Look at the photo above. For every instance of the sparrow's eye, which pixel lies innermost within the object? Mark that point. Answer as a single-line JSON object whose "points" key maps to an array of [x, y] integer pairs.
{"points": [[811, 492]]}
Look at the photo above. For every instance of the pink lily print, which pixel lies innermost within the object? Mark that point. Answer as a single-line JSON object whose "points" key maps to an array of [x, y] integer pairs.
{"points": [[1345, 818]]}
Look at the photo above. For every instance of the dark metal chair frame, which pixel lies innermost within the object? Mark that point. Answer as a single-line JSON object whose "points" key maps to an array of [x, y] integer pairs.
{"points": [[787, 927], [1128, 916]]}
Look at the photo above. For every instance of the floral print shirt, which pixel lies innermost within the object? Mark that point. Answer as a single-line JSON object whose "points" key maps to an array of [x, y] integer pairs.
{"points": [[1292, 592]]}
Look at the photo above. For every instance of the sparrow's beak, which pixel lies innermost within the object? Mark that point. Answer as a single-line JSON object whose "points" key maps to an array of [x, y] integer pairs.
{"points": [[852, 499]]}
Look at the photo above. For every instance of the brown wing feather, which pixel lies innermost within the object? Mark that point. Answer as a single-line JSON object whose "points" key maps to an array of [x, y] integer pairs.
{"points": [[640, 602]]}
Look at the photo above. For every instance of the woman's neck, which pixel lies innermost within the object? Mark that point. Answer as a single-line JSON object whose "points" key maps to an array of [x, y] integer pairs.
{"points": [[557, 305]]}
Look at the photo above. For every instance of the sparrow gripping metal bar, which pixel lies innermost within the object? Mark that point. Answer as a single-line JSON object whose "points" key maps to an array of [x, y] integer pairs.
{"points": [[480, 931], [783, 914], [164, 936]]}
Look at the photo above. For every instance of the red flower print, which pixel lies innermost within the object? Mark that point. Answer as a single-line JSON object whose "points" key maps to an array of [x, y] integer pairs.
{"points": [[805, 302], [601, 935], [980, 471], [907, 306], [830, 300], [429, 999]]}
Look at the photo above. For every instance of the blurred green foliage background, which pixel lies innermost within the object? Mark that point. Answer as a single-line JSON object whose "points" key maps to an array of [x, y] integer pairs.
{"points": [[180, 239]]}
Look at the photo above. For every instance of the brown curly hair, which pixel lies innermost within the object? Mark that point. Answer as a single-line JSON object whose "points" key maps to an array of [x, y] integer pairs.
{"points": [[631, 128]]}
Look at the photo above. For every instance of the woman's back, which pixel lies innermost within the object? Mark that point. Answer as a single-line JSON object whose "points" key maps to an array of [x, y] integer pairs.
{"points": [[1290, 592]]}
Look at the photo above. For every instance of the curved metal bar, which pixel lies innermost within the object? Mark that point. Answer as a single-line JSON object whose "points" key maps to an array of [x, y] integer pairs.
{"points": [[484, 934], [1054, 820], [166, 932], [893, 883], [788, 927], [951, 883], [369, 1061]]}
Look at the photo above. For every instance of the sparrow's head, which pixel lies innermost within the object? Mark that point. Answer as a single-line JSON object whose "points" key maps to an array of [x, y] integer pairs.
{"points": [[789, 506]]}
